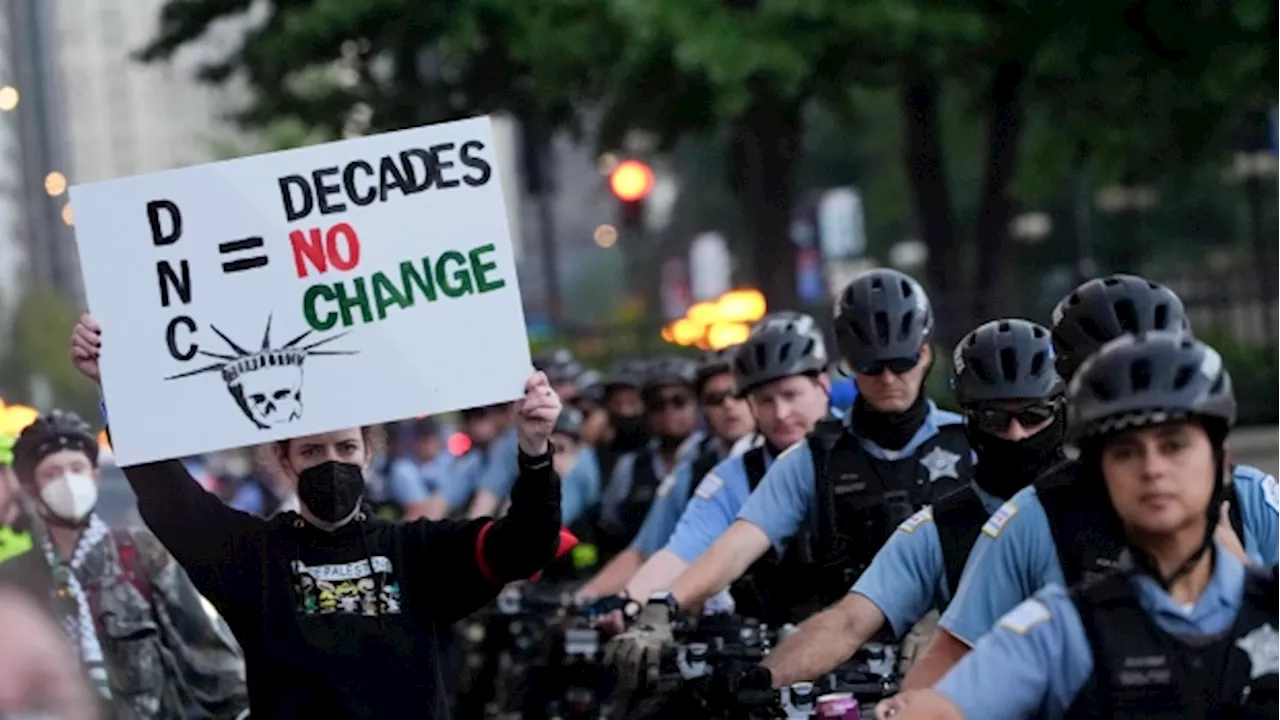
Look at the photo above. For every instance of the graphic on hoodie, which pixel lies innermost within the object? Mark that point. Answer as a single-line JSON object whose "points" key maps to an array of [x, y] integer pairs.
{"points": [[267, 383], [347, 588]]}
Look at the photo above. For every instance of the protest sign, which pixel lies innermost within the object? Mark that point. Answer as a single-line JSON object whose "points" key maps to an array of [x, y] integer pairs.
{"points": [[304, 291]]}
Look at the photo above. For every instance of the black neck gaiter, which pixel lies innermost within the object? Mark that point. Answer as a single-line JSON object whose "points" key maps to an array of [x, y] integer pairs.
{"points": [[891, 431], [1006, 466]]}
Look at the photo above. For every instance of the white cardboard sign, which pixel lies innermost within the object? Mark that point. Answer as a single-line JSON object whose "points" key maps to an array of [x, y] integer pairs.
{"points": [[304, 291]]}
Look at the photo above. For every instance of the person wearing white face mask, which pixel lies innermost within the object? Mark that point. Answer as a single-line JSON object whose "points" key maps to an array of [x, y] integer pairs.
{"points": [[131, 614]]}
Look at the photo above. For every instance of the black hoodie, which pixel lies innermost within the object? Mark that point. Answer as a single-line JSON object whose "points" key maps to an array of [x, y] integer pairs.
{"points": [[322, 635]]}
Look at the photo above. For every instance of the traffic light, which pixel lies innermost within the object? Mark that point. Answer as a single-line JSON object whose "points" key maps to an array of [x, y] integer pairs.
{"points": [[631, 182]]}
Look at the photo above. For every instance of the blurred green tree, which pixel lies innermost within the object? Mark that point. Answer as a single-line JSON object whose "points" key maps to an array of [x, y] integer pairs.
{"points": [[36, 356]]}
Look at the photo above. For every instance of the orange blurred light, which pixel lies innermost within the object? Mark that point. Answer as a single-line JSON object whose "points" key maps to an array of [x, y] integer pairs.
{"points": [[686, 332], [631, 181], [723, 335], [15, 418], [668, 334], [102, 440], [703, 313], [743, 306], [459, 444]]}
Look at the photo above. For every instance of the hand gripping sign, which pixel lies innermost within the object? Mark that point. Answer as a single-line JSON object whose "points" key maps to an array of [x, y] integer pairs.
{"points": [[299, 292]]}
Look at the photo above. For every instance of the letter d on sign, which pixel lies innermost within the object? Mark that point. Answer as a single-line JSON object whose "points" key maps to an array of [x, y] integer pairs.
{"points": [[158, 235]]}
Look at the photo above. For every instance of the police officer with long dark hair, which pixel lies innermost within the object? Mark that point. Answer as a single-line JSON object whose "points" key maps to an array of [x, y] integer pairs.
{"points": [[1182, 627]]}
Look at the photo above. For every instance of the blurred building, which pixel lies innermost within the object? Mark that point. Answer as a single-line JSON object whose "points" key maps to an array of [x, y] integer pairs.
{"points": [[36, 243], [125, 118]]}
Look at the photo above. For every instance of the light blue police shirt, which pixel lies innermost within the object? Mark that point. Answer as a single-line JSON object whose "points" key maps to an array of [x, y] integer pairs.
{"points": [[502, 464], [712, 509], [410, 480], [784, 499], [908, 577], [1015, 555], [580, 487], [1037, 658], [615, 493], [664, 514]]}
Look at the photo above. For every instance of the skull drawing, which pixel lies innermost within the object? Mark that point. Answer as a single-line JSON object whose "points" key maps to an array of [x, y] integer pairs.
{"points": [[268, 386]]}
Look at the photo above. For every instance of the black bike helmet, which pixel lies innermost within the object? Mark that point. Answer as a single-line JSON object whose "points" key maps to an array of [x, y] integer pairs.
{"points": [[1147, 379], [56, 431], [625, 373], [882, 315], [559, 365], [1005, 360], [786, 347], [780, 318], [1105, 308], [714, 362], [569, 422], [669, 370]]}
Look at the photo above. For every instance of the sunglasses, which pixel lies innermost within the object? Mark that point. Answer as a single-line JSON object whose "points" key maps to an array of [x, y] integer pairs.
{"points": [[996, 420], [669, 402], [897, 366], [711, 400]]}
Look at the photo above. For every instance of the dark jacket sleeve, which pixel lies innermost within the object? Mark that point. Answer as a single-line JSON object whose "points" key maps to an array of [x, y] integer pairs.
{"points": [[195, 526], [476, 558]]}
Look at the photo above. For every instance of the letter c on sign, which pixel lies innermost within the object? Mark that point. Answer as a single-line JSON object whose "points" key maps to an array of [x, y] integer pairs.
{"points": [[171, 338]]}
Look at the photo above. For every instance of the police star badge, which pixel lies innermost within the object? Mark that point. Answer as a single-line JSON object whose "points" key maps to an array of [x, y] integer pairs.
{"points": [[1262, 645], [941, 463]]}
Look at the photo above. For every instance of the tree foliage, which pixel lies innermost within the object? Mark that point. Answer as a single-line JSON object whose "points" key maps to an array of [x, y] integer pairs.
{"points": [[36, 350]]}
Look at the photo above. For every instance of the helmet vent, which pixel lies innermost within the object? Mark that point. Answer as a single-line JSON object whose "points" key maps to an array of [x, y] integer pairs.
{"points": [[1140, 375], [1038, 362], [904, 329], [784, 352], [882, 327], [760, 355], [1094, 332], [1161, 320], [1009, 364], [1127, 314], [1185, 373]]}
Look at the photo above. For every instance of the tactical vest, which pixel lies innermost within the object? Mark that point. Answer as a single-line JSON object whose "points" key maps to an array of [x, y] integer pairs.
{"points": [[860, 501], [1086, 531], [703, 464], [615, 537], [1142, 672], [958, 517], [756, 594]]}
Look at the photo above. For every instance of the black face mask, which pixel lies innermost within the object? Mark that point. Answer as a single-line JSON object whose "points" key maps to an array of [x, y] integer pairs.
{"points": [[629, 432], [1006, 466], [331, 490]]}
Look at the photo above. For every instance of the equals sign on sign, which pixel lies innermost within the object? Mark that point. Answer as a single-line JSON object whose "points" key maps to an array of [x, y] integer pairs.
{"points": [[239, 246]]}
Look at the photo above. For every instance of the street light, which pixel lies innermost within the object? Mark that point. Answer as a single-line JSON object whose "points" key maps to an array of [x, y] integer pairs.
{"points": [[8, 98], [605, 236], [55, 183], [67, 216]]}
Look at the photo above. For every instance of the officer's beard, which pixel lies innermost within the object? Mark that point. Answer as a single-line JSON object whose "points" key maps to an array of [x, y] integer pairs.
{"points": [[1006, 466], [629, 432]]}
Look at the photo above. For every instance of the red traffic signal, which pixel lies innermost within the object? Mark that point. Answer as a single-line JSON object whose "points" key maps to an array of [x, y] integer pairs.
{"points": [[631, 181]]}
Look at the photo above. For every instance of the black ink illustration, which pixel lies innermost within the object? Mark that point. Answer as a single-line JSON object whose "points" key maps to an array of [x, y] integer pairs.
{"points": [[266, 384], [236, 246]]}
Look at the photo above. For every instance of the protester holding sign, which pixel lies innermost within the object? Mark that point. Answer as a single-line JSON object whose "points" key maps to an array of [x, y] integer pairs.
{"points": [[341, 614]]}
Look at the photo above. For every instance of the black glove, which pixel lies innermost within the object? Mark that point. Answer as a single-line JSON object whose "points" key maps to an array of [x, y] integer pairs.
{"points": [[731, 679]]}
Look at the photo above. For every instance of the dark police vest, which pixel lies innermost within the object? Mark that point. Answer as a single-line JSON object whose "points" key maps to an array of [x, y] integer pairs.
{"points": [[958, 517], [1142, 672], [708, 457], [759, 593], [860, 501], [615, 537], [1086, 531]]}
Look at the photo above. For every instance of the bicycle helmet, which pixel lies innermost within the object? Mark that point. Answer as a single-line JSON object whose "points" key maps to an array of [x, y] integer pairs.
{"points": [[1103, 309], [669, 370], [1005, 360], [714, 362], [569, 422], [792, 346], [1148, 379], [882, 315], [50, 433], [559, 365], [628, 372]]}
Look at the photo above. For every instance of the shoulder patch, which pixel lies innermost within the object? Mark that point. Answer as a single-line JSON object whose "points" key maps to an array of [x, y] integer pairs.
{"points": [[709, 486], [995, 524], [923, 516], [1025, 616], [1271, 492], [668, 482]]}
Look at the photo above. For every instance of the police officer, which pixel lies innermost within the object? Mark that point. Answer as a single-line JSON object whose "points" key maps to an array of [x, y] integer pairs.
{"points": [[729, 420], [837, 496], [672, 413], [1011, 395], [562, 370], [1181, 627], [1058, 530], [780, 369]]}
